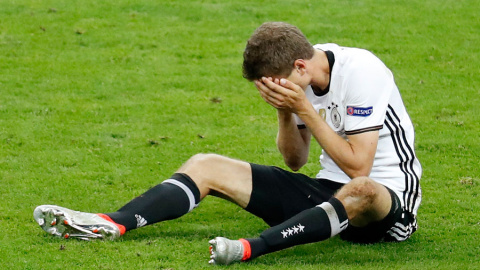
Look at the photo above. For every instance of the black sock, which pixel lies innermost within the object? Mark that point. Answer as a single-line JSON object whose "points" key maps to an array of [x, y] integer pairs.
{"points": [[171, 199], [312, 225]]}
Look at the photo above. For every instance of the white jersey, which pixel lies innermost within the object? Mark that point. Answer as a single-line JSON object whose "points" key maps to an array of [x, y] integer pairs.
{"points": [[363, 97]]}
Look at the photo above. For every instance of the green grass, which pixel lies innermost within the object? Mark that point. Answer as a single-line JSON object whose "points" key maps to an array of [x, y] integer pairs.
{"points": [[100, 100]]}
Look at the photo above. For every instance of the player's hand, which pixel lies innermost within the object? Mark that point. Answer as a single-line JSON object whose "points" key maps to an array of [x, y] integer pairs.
{"points": [[282, 94]]}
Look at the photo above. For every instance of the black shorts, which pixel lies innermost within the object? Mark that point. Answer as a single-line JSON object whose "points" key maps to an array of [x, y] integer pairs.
{"points": [[277, 195]]}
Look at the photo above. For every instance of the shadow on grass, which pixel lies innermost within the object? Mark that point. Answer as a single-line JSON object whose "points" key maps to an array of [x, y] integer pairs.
{"points": [[333, 252]]}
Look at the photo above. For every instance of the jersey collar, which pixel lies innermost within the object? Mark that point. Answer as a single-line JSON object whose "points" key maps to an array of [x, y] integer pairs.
{"points": [[331, 62]]}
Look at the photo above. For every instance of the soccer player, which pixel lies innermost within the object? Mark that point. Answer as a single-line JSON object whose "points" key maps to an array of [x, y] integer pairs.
{"points": [[367, 190]]}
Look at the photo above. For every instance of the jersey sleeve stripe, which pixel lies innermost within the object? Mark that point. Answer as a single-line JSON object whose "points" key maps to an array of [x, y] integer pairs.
{"points": [[363, 130]]}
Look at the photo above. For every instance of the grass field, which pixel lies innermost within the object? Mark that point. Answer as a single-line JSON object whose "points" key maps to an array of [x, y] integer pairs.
{"points": [[100, 100]]}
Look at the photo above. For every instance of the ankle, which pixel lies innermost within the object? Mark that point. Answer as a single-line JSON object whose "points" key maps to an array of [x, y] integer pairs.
{"points": [[119, 226], [247, 250]]}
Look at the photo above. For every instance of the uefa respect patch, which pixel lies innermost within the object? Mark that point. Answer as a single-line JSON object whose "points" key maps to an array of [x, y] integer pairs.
{"points": [[359, 111]]}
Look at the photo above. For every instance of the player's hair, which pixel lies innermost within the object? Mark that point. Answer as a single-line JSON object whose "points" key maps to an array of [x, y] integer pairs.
{"points": [[273, 49]]}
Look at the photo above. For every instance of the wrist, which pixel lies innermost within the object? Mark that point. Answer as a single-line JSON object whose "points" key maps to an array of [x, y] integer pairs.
{"points": [[307, 111], [284, 114]]}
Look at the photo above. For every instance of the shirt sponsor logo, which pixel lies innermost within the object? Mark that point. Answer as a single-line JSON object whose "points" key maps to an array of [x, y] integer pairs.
{"points": [[359, 111]]}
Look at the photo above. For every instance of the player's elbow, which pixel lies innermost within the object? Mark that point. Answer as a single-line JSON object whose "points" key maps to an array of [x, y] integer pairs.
{"points": [[295, 164], [294, 167], [294, 158]]}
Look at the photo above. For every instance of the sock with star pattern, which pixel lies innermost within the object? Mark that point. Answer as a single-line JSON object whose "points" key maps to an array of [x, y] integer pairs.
{"points": [[312, 225]]}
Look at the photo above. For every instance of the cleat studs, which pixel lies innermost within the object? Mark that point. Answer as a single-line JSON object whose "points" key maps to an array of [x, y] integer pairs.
{"points": [[68, 224], [41, 221], [52, 231]]}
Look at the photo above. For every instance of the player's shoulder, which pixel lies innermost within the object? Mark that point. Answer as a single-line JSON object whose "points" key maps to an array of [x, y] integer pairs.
{"points": [[327, 47], [335, 48], [346, 53]]}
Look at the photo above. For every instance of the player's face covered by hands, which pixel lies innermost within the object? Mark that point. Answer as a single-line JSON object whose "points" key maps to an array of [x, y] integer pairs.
{"points": [[282, 94]]}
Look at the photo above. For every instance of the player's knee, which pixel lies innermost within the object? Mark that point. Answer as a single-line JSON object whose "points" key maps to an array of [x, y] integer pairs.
{"points": [[198, 168], [360, 199], [203, 164], [202, 161], [362, 190], [363, 186]]}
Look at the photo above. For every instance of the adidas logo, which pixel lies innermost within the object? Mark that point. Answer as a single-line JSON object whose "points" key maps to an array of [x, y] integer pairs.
{"points": [[140, 221], [293, 230]]}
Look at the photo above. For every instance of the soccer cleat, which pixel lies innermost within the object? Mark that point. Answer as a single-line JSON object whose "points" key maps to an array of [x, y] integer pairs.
{"points": [[65, 223], [225, 251]]}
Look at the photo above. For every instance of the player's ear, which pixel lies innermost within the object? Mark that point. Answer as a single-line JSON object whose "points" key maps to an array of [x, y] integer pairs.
{"points": [[300, 66]]}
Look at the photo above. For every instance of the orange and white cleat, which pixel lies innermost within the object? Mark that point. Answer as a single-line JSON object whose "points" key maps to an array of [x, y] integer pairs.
{"points": [[65, 223]]}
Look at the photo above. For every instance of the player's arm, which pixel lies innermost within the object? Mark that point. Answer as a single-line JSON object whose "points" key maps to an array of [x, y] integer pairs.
{"points": [[292, 142], [354, 156]]}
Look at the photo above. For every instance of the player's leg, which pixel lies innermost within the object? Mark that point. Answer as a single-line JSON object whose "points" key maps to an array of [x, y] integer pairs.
{"points": [[201, 175], [233, 180], [365, 201], [361, 202], [220, 176]]}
